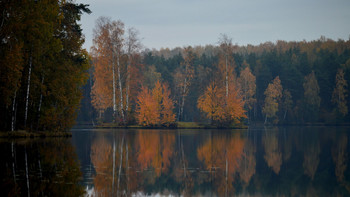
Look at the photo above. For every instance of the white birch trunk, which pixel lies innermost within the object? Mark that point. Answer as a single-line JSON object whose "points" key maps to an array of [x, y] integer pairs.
{"points": [[41, 97], [127, 85], [183, 99], [120, 90], [13, 118], [114, 84], [28, 88], [226, 78]]}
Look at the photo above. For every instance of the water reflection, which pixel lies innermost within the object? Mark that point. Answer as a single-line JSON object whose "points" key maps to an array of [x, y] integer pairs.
{"points": [[39, 168], [291, 161], [294, 161]]}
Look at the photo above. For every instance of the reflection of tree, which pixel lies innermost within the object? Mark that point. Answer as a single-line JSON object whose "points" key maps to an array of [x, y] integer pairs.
{"points": [[222, 156], [112, 161], [155, 150], [101, 157], [248, 163], [273, 155], [340, 157], [311, 158], [39, 168]]}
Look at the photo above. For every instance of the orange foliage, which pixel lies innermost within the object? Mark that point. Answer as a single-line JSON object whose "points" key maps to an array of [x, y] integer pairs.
{"points": [[147, 113], [221, 108], [155, 108]]}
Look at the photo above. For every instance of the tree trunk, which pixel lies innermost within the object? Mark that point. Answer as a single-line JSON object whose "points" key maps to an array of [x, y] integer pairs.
{"points": [[40, 102], [114, 100], [13, 118], [127, 86], [226, 78], [120, 91], [28, 88], [183, 100], [285, 114]]}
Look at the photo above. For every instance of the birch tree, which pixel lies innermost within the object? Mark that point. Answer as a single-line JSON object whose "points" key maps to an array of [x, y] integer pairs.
{"points": [[184, 76], [133, 45], [339, 97]]}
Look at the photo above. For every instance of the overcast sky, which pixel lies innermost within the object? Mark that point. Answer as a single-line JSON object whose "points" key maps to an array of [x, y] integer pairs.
{"points": [[178, 23]]}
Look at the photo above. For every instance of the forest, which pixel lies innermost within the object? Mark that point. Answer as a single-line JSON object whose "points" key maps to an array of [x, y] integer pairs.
{"points": [[284, 82], [48, 81], [42, 64]]}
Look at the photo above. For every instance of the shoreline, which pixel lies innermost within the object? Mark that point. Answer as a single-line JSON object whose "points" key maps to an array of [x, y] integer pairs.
{"points": [[39, 134]]}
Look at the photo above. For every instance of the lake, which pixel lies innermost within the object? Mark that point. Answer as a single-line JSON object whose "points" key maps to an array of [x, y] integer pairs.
{"points": [[261, 161]]}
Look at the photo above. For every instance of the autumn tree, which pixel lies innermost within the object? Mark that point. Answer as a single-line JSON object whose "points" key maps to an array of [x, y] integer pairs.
{"points": [[155, 107], [221, 109], [247, 82], [273, 95], [311, 97], [43, 65], [340, 93], [226, 61], [184, 75], [132, 47], [287, 103]]}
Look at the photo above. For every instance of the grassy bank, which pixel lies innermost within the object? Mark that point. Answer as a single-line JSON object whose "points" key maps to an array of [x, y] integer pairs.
{"points": [[179, 125], [39, 134]]}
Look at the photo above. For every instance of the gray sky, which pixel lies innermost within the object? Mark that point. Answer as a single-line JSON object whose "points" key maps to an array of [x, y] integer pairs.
{"points": [[178, 23]]}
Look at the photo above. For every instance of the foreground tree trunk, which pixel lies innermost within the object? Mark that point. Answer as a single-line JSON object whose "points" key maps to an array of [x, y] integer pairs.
{"points": [[28, 88]]}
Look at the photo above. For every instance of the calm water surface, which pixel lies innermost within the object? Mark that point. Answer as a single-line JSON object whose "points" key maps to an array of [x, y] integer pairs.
{"points": [[290, 161]]}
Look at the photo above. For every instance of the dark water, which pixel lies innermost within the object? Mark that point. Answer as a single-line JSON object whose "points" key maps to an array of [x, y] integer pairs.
{"points": [[291, 161]]}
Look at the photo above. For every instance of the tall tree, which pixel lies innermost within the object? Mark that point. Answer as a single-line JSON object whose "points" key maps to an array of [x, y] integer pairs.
{"points": [[247, 83], [226, 48], [132, 45], [184, 76], [311, 97], [340, 93], [273, 95]]}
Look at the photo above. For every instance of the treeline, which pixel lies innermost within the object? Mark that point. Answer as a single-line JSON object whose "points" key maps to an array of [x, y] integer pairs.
{"points": [[274, 83], [42, 64]]}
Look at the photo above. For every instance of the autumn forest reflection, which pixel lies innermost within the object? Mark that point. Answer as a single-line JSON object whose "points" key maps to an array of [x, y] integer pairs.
{"points": [[284, 161], [265, 161]]}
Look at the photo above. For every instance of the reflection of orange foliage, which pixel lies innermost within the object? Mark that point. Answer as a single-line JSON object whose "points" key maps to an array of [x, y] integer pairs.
{"points": [[101, 157], [248, 163], [223, 154], [311, 159], [340, 157], [273, 155], [155, 151]]}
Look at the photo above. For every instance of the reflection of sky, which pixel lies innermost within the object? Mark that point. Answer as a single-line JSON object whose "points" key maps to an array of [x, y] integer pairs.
{"points": [[169, 23]]}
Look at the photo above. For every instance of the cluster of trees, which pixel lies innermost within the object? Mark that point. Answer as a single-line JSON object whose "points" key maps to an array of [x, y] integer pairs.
{"points": [[155, 107], [43, 65], [279, 83]]}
